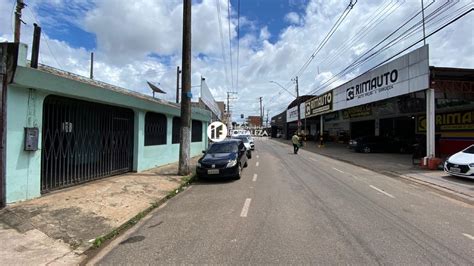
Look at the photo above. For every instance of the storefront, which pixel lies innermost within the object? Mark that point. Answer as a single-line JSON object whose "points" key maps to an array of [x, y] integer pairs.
{"points": [[391, 101]]}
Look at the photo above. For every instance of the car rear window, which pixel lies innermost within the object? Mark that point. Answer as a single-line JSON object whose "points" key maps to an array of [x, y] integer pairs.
{"points": [[469, 150]]}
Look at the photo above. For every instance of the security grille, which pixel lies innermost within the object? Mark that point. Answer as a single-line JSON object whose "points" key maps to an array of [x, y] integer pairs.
{"points": [[83, 141]]}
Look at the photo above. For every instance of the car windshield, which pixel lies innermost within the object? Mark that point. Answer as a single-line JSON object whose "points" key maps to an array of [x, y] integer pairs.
{"points": [[223, 148], [469, 150], [243, 138]]}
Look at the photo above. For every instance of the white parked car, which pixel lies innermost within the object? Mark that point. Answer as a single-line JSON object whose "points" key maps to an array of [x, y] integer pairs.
{"points": [[461, 163]]}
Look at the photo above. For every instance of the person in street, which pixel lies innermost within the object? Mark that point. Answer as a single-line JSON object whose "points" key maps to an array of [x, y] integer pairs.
{"points": [[296, 142]]}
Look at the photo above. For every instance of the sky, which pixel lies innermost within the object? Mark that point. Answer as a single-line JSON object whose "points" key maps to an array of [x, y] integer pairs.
{"points": [[243, 46]]}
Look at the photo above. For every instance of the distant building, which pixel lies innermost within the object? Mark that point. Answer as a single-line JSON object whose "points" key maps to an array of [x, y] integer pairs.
{"points": [[254, 121]]}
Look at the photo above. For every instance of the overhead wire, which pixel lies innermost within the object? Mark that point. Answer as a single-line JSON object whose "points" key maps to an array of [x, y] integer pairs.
{"points": [[221, 35], [403, 36], [365, 30], [46, 39], [230, 47], [238, 44]]}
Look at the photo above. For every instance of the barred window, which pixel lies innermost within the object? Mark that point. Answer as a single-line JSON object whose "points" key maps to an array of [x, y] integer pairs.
{"points": [[176, 130], [196, 131], [155, 129]]}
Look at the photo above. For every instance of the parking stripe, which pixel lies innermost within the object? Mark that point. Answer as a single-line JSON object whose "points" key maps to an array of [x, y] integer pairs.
{"points": [[246, 207]]}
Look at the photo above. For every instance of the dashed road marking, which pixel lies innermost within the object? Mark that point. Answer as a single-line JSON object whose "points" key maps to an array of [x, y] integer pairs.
{"points": [[363, 169], [246, 207], [254, 177], [383, 192], [340, 171], [257, 164], [258, 156], [468, 236]]}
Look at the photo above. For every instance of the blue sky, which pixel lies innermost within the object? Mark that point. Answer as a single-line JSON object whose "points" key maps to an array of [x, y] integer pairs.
{"points": [[138, 41]]}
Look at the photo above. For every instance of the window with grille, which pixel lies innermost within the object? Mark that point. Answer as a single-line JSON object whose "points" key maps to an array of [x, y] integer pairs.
{"points": [[155, 129], [196, 131], [176, 130]]}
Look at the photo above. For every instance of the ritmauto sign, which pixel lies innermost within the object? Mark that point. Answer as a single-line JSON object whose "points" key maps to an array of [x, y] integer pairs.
{"points": [[319, 105], [406, 74]]}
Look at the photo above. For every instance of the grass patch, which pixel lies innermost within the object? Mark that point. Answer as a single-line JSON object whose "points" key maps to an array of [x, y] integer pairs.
{"points": [[185, 182]]}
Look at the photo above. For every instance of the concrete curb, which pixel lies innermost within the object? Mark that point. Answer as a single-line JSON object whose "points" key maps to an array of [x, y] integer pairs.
{"points": [[444, 190]]}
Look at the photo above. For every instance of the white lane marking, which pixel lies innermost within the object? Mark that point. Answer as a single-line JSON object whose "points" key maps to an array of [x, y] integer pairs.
{"points": [[468, 236], [258, 156], [363, 169], [254, 177], [383, 192], [257, 164], [338, 170], [246, 207]]}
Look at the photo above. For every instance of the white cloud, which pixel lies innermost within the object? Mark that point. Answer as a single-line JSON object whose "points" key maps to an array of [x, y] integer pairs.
{"points": [[141, 40], [293, 18]]}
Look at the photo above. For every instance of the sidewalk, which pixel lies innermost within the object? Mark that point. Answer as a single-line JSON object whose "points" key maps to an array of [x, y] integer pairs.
{"points": [[395, 165], [58, 227]]}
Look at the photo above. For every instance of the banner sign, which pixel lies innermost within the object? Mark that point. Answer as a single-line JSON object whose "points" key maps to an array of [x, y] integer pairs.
{"points": [[456, 121], [406, 74], [319, 105], [358, 111], [292, 113], [208, 100]]}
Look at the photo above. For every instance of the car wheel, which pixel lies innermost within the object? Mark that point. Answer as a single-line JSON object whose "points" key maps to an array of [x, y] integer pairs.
{"points": [[246, 164], [249, 155], [239, 172], [366, 149]]}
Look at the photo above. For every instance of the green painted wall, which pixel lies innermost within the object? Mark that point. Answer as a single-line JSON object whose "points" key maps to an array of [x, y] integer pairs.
{"points": [[25, 109]]}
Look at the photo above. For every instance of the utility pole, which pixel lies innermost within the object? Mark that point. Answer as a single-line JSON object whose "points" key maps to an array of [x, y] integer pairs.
{"points": [[177, 83], [92, 66], [19, 6], [261, 114], [266, 122], [423, 19], [185, 138], [298, 103]]}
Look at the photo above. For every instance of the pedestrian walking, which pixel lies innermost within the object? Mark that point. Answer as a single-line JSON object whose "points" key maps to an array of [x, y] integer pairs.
{"points": [[296, 142]]}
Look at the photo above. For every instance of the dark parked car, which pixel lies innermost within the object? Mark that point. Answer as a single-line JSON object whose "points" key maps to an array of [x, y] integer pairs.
{"points": [[374, 144], [223, 159]]}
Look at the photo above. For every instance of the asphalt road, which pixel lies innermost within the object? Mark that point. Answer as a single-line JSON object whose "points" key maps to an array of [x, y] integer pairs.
{"points": [[303, 208]]}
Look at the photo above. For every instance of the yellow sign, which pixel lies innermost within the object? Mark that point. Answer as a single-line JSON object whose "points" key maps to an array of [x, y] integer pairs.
{"points": [[457, 121]]}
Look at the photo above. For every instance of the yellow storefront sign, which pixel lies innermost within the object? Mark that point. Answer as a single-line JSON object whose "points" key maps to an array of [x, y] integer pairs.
{"points": [[456, 121]]}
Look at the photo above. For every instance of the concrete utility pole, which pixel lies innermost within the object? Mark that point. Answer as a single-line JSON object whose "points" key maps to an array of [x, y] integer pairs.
{"points": [[177, 83], [19, 6], [261, 114], [91, 76], [297, 101], [185, 141], [266, 121]]}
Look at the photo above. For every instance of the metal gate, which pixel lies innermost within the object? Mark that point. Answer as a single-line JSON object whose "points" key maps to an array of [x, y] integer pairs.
{"points": [[83, 141]]}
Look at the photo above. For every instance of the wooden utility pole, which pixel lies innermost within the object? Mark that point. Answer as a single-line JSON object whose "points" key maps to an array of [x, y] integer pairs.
{"points": [[185, 141], [19, 6], [177, 83]]}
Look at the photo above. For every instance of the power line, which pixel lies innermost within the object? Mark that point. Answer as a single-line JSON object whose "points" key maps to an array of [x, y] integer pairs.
{"points": [[238, 42], [221, 35], [326, 38], [404, 35], [230, 47]]}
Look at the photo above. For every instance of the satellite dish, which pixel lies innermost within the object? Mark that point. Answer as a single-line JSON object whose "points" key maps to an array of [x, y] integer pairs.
{"points": [[155, 88]]}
